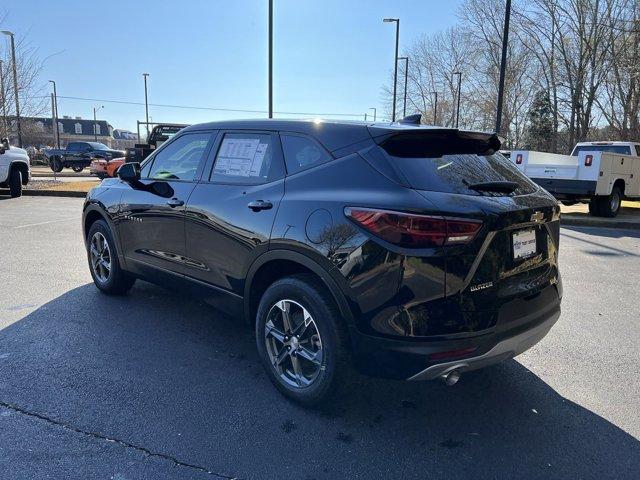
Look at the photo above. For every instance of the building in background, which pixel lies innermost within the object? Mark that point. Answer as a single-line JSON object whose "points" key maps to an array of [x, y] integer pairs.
{"points": [[123, 139], [38, 131]]}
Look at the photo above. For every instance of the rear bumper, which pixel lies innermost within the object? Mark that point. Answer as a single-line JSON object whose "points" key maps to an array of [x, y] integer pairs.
{"points": [[414, 359], [563, 188]]}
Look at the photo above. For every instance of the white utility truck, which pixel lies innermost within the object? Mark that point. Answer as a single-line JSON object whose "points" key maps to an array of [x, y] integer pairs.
{"points": [[601, 173], [14, 168]]}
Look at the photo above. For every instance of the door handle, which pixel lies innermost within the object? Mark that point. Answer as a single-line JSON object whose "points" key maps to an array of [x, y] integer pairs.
{"points": [[175, 202], [258, 205]]}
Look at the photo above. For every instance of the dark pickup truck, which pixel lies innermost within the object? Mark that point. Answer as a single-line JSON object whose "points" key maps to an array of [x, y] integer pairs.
{"points": [[79, 155]]}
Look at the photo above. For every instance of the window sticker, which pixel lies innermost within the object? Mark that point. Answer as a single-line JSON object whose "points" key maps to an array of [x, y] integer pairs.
{"points": [[242, 157]]}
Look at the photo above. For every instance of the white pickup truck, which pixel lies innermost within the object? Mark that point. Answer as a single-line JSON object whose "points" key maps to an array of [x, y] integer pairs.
{"points": [[15, 171], [601, 173]]}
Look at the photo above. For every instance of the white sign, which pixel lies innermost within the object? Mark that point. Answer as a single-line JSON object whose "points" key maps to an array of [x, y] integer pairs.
{"points": [[242, 157]]}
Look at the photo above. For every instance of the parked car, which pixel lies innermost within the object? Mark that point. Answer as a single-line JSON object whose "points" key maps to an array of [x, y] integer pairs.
{"points": [[410, 252], [159, 134], [79, 155], [600, 173], [15, 171]]}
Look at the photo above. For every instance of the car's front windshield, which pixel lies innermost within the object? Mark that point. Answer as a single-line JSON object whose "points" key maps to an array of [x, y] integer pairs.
{"points": [[98, 146]]}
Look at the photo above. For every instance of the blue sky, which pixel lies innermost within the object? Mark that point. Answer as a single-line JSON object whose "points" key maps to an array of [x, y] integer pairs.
{"points": [[330, 56]]}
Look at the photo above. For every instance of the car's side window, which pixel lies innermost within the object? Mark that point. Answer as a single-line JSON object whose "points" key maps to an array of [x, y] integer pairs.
{"points": [[73, 147], [179, 160], [302, 152], [247, 159]]}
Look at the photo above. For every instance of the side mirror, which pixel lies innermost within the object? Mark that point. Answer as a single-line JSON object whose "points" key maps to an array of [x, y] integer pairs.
{"points": [[129, 172]]}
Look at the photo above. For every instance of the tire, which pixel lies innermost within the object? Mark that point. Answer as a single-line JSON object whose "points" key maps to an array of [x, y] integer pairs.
{"points": [[329, 370], [77, 168], [112, 280], [56, 165], [15, 183], [594, 208], [609, 206]]}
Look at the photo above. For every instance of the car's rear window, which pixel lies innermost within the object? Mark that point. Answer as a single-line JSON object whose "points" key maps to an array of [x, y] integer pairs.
{"points": [[621, 149], [451, 165]]}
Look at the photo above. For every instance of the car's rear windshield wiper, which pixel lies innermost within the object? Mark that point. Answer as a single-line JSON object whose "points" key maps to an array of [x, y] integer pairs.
{"points": [[501, 186]]}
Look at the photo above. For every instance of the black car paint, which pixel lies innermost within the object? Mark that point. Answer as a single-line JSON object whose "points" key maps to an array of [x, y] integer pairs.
{"points": [[400, 305]]}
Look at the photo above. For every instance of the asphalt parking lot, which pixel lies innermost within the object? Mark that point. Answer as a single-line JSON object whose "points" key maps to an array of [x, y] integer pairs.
{"points": [[156, 385]]}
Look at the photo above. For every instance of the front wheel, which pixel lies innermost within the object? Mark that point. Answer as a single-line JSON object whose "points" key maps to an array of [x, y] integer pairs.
{"points": [[15, 183], [105, 269], [301, 339], [56, 165], [77, 168]]}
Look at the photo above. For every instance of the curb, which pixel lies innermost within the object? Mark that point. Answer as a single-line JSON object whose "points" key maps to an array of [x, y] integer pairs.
{"points": [[49, 193], [568, 220]]}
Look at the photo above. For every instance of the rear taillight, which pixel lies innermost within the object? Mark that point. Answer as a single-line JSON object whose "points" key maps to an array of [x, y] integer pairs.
{"points": [[519, 159], [588, 160], [412, 230]]}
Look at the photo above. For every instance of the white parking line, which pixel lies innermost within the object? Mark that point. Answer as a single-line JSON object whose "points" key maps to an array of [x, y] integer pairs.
{"points": [[44, 223]]}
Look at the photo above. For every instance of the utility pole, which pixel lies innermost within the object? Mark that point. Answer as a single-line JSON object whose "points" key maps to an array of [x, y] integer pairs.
{"points": [[146, 102], [374, 113], [435, 108], [95, 122], [406, 76], [503, 66], [395, 65], [459, 95], [55, 114], [5, 128], [15, 84], [270, 58]]}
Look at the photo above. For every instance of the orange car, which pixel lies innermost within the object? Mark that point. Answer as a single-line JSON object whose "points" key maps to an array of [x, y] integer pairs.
{"points": [[105, 168]]}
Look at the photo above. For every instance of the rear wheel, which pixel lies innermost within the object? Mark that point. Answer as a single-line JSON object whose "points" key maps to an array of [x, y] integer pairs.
{"points": [[105, 269], [15, 183], [609, 206], [594, 208], [302, 340], [56, 165], [77, 168]]}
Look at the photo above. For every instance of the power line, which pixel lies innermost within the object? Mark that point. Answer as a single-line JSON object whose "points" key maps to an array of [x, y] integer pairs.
{"points": [[216, 109]]}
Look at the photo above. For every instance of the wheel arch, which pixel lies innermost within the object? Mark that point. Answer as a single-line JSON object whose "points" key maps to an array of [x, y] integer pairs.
{"points": [[279, 263], [23, 167], [620, 183]]}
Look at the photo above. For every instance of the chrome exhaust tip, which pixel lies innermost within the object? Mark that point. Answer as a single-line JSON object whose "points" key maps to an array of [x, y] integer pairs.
{"points": [[451, 378]]}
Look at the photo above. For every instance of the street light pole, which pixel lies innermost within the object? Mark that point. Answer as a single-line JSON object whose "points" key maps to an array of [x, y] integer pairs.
{"points": [[435, 108], [406, 76], [270, 58], [55, 114], [374, 113], [15, 84], [459, 95], [395, 67], [503, 66], [95, 122], [146, 102], [5, 129]]}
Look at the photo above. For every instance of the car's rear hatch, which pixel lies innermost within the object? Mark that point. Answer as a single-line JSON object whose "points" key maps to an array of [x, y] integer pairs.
{"points": [[502, 278]]}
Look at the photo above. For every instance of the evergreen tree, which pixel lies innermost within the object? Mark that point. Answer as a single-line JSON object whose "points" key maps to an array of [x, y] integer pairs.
{"points": [[540, 123]]}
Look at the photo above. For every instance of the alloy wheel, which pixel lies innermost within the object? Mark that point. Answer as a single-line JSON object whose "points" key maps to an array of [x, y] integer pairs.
{"points": [[100, 257], [293, 344]]}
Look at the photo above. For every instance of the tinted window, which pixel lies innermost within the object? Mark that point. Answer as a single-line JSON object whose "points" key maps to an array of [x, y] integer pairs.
{"points": [[179, 160], [621, 149], [98, 146], [453, 173], [302, 152], [75, 146], [246, 159]]}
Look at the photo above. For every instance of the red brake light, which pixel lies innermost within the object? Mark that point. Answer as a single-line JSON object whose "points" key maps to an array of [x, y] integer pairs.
{"points": [[588, 160], [519, 159], [413, 230]]}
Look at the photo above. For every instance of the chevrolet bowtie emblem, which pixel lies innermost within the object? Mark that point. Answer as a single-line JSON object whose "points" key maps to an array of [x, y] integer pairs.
{"points": [[537, 217]]}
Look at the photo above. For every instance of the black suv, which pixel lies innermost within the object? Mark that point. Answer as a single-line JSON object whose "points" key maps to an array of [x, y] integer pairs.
{"points": [[411, 252]]}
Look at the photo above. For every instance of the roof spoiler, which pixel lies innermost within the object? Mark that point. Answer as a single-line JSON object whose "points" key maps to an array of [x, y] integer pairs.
{"points": [[437, 142], [411, 119]]}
